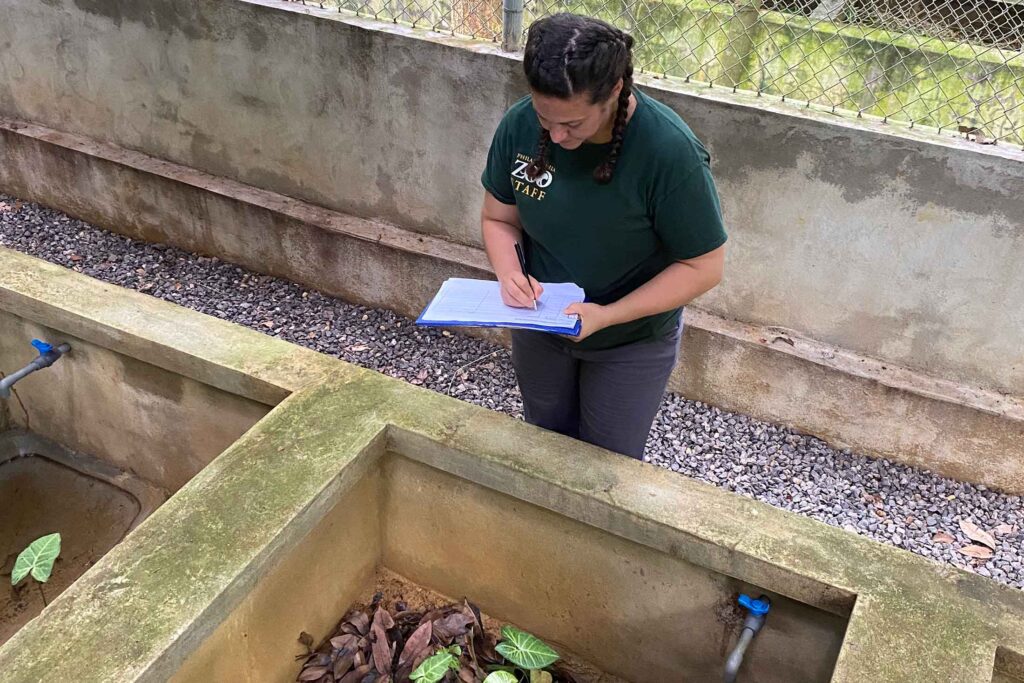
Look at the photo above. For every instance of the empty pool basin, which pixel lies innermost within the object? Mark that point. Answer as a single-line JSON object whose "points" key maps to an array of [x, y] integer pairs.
{"points": [[46, 488]]}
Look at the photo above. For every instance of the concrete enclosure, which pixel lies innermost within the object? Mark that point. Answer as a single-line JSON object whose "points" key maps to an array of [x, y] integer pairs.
{"points": [[635, 613], [873, 278], [220, 579]]}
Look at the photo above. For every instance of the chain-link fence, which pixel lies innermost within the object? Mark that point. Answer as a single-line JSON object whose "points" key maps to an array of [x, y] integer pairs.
{"points": [[952, 65]]}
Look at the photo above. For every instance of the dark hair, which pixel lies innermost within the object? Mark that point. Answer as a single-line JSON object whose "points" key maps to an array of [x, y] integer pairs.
{"points": [[568, 54]]}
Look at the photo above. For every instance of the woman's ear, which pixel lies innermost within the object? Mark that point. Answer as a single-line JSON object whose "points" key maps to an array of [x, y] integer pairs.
{"points": [[616, 90]]}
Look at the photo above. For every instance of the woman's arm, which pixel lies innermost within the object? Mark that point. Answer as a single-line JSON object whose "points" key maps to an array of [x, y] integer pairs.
{"points": [[501, 230], [673, 287]]}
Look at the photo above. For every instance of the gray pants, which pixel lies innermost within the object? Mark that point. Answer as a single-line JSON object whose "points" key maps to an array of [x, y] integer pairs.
{"points": [[608, 398]]}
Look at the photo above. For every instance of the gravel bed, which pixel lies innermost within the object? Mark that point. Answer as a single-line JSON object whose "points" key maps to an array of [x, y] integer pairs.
{"points": [[892, 503]]}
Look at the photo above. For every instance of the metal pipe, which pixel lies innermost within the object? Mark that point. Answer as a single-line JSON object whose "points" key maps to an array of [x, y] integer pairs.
{"points": [[512, 25]]}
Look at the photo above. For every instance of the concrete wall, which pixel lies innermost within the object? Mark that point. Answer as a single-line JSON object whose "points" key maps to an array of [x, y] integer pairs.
{"points": [[902, 248], [160, 425]]}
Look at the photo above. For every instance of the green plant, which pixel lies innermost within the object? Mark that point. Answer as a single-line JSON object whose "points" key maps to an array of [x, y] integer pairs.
{"points": [[501, 677], [434, 667], [37, 559], [525, 651]]}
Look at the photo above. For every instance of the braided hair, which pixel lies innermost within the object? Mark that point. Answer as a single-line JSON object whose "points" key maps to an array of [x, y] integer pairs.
{"points": [[568, 54]]}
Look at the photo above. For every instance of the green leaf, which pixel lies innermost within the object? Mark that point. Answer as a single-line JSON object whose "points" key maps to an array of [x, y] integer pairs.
{"points": [[37, 558], [501, 677], [525, 650], [434, 667], [456, 651]]}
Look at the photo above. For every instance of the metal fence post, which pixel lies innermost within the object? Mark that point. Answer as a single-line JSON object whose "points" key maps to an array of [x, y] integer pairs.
{"points": [[512, 25]]}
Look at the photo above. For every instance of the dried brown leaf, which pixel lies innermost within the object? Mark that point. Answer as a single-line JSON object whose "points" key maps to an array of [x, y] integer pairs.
{"points": [[452, 626], [343, 664], [466, 675], [361, 622], [344, 642], [356, 675], [1003, 530], [979, 552], [977, 534], [381, 648], [419, 640], [384, 617], [942, 537], [312, 673]]}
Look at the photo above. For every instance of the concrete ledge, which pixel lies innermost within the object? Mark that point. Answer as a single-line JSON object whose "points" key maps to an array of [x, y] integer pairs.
{"points": [[141, 611], [854, 401]]}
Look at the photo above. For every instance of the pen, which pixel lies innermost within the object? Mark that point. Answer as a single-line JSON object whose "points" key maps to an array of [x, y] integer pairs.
{"points": [[522, 265]]}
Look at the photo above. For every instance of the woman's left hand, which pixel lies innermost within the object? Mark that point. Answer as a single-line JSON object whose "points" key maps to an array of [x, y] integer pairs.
{"points": [[594, 317]]}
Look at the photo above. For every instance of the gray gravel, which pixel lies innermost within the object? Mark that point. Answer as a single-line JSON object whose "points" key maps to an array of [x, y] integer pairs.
{"points": [[888, 502]]}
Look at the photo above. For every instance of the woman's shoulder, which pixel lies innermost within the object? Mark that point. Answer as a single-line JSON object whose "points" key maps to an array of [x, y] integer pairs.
{"points": [[667, 138]]}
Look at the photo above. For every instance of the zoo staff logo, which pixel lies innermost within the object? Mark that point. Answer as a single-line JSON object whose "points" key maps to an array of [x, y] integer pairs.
{"points": [[534, 189]]}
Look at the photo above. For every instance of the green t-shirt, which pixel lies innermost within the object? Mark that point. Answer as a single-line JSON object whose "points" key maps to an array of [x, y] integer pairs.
{"points": [[660, 207]]}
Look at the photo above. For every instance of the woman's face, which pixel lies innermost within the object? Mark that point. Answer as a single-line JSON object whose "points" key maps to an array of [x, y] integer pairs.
{"points": [[573, 121]]}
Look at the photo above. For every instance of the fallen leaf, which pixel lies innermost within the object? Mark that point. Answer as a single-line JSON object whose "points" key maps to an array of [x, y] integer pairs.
{"points": [[357, 624], [356, 674], [452, 626], [537, 676], [358, 347], [313, 673], [977, 534], [384, 617], [381, 646], [1003, 530], [345, 642], [419, 640], [942, 537], [979, 552], [343, 664]]}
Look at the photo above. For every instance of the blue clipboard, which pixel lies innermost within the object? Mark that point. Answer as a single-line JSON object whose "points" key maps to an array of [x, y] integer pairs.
{"points": [[464, 302]]}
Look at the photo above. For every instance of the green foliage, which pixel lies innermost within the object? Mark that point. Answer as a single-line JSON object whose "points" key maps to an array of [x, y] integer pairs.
{"points": [[37, 559]]}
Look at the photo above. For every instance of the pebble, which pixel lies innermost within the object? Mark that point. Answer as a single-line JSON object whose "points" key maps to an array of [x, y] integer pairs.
{"points": [[877, 498]]}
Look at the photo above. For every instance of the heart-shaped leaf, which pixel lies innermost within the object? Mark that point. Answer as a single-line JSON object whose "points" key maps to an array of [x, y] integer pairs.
{"points": [[501, 677], [37, 558], [524, 649], [537, 676], [434, 668]]}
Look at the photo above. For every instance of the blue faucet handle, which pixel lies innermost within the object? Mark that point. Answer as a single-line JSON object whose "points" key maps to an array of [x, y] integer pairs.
{"points": [[41, 346], [758, 608]]}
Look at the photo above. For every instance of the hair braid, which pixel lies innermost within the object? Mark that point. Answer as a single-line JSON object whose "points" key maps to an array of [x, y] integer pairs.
{"points": [[603, 173], [540, 164]]}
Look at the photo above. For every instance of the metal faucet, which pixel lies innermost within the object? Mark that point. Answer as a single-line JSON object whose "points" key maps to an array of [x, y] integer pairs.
{"points": [[48, 355]]}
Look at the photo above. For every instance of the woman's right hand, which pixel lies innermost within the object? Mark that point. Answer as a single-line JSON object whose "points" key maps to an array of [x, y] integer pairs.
{"points": [[515, 290]]}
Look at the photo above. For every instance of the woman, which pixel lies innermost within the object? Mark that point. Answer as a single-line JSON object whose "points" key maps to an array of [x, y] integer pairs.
{"points": [[609, 189]]}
